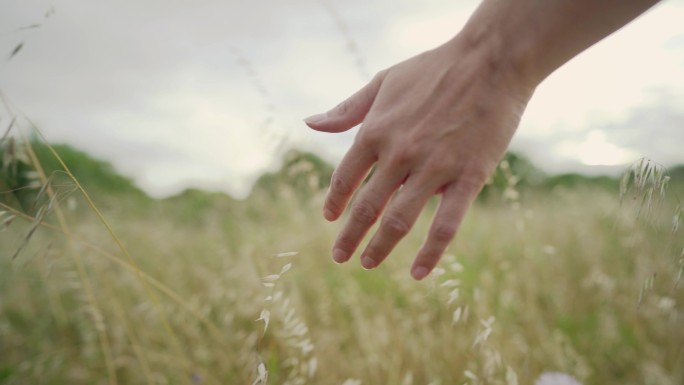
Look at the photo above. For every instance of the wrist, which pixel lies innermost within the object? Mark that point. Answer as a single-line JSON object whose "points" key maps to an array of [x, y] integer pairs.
{"points": [[505, 65], [528, 40]]}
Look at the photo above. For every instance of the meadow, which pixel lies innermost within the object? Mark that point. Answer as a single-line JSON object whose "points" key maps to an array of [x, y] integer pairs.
{"points": [[118, 288]]}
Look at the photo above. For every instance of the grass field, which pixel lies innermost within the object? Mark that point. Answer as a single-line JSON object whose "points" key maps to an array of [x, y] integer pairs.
{"points": [[215, 291]]}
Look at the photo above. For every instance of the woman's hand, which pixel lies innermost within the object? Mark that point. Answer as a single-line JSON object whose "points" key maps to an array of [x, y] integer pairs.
{"points": [[437, 123]]}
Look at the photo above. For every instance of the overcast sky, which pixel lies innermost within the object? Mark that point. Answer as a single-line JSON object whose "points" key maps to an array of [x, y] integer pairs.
{"points": [[209, 94]]}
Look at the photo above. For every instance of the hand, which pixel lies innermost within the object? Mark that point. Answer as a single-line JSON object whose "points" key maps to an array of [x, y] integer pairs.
{"points": [[438, 123]]}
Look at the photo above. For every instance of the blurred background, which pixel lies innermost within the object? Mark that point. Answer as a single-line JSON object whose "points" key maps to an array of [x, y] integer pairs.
{"points": [[160, 205], [210, 94]]}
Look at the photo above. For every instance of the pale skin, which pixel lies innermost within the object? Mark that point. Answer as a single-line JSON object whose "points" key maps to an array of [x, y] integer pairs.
{"points": [[440, 122]]}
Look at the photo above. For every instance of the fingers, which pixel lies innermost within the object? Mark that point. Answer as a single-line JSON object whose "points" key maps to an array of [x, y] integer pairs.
{"points": [[400, 216], [397, 221], [365, 210], [346, 179], [350, 112], [456, 199]]}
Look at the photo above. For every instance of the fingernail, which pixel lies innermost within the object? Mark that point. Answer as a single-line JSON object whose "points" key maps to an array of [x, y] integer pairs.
{"points": [[318, 118], [329, 215], [339, 255], [419, 272], [368, 262]]}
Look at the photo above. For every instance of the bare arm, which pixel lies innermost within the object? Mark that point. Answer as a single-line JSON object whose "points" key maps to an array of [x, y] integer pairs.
{"points": [[439, 123], [539, 36]]}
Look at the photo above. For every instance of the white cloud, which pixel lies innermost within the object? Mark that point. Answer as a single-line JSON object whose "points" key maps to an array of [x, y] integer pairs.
{"points": [[595, 150]]}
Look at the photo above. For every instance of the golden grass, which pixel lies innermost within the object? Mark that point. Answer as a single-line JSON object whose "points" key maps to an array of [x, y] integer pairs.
{"points": [[559, 282]]}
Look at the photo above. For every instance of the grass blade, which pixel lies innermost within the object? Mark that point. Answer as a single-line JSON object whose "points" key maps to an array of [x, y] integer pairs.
{"points": [[15, 51]]}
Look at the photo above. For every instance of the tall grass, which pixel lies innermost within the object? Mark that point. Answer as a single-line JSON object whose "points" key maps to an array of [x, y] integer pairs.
{"points": [[578, 281], [112, 289]]}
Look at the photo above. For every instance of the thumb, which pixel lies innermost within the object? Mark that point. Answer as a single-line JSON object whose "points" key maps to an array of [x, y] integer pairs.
{"points": [[350, 112]]}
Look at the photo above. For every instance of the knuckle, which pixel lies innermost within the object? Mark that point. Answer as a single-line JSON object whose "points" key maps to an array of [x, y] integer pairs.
{"points": [[428, 259], [369, 136], [339, 185], [345, 242], [476, 176], [333, 205], [345, 106], [364, 212], [405, 157], [444, 232], [441, 166], [395, 226], [472, 183]]}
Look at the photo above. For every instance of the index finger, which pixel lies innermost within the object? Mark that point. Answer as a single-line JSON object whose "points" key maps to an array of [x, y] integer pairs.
{"points": [[351, 171]]}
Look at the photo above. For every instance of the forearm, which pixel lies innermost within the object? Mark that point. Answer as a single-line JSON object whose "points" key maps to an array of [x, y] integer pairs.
{"points": [[532, 38]]}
